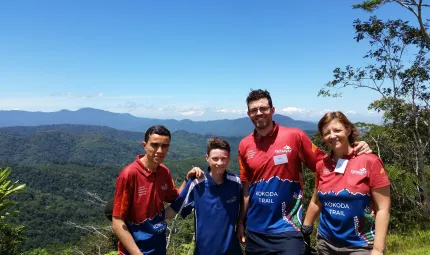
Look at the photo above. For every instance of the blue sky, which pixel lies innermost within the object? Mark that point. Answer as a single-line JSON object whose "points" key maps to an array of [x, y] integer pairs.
{"points": [[179, 59]]}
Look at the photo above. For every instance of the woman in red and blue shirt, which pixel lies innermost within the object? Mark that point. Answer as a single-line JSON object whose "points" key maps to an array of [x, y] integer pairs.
{"points": [[352, 193]]}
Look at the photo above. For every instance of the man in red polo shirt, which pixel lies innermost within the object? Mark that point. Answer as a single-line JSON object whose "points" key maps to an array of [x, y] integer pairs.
{"points": [[270, 162], [142, 187]]}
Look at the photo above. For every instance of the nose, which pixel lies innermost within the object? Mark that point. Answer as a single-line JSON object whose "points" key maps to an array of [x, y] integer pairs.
{"points": [[159, 150]]}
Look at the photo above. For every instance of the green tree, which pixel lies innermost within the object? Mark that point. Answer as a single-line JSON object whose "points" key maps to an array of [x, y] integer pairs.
{"points": [[10, 236], [415, 7]]}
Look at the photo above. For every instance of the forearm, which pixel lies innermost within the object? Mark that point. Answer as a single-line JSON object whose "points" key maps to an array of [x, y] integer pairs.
{"points": [[311, 214], [244, 203], [313, 211], [124, 236], [381, 229], [169, 213], [184, 183]]}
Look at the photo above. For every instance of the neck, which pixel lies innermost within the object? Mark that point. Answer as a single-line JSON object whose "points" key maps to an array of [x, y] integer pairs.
{"points": [[341, 152], [150, 165], [217, 177], [266, 130]]}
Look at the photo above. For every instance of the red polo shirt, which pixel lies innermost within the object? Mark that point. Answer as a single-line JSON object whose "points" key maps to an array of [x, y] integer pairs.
{"points": [[139, 199], [272, 165], [347, 217]]}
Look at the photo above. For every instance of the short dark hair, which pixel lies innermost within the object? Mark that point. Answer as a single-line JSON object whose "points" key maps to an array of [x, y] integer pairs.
{"points": [[342, 119], [157, 129], [218, 143], [257, 95]]}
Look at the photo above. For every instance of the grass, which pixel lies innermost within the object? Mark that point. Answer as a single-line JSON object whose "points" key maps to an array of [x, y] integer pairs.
{"points": [[415, 243]]}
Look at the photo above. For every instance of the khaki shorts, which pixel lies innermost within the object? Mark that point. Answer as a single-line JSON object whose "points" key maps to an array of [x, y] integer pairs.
{"points": [[324, 247]]}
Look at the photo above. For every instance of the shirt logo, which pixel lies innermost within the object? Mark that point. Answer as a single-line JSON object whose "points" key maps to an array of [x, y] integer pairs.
{"points": [[141, 190], [314, 148], [326, 171], [285, 149], [232, 200], [382, 171], [250, 154], [164, 187], [362, 171]]}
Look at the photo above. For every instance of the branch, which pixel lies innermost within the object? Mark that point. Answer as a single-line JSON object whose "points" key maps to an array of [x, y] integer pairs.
{"points": [[95, 199], [90, 229], [377, 146], [407, 7]]}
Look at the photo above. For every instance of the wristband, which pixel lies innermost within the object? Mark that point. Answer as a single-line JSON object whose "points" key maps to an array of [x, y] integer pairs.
{"points": [[307, 229]]}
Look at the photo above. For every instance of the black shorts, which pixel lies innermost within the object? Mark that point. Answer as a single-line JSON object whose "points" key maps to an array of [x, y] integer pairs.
{"points": [[287, 243]]}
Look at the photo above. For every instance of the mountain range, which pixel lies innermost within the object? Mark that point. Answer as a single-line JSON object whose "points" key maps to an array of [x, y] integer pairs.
{"points": [[126, 121]]}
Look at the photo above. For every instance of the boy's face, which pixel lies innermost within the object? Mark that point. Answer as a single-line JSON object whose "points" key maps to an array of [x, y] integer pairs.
{"points": [[156, 148], [218, 160]]}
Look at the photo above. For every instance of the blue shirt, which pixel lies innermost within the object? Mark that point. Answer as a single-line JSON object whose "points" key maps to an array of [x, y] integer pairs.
{"points": [[216, 208]]}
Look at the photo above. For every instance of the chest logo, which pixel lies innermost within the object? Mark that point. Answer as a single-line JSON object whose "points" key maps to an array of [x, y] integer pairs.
{"points": [[285, 149], [326, 171], [141, 190], [362, 171], [250, 154], [232, 200], [164, 187]]}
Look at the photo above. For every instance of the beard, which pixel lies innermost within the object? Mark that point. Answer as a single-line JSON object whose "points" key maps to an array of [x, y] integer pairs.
{"points": [[261, 122]]}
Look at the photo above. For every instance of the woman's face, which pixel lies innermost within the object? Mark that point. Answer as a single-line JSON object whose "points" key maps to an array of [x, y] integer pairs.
{"points": [[335, 134]]}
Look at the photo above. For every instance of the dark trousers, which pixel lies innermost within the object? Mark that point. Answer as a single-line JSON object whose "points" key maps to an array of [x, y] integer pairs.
{"points": [[288, 243]]}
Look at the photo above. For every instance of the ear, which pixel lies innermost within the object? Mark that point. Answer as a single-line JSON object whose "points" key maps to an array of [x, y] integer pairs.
{"points": [[348, 131], [272, 110], [207, 157], [143, 144], [249, 114]]}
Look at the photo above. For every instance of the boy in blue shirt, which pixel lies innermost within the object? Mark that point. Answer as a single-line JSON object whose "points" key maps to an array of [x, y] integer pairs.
{"points": [[215, 198]]}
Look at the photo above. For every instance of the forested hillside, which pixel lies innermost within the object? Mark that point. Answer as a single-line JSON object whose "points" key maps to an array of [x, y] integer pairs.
{"points": [[63, 164]]}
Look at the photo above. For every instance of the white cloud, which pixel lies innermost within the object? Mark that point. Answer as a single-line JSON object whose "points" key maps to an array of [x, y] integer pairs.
{"points": [[294, 110], [227, 111], [193, 113]]}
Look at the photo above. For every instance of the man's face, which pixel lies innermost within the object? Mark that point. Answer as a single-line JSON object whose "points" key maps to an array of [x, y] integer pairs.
{"points": [[156, 148], [218, 160], [260, 113]]}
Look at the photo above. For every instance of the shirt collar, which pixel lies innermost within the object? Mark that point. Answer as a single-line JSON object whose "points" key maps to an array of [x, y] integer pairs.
{"points": [[142, 168], [272, 133], [348, 156]]}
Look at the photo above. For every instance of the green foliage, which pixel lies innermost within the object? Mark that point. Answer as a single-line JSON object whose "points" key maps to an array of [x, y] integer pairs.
{"points": [[369, 5], [7, 188], [11, 237], [411, 243]]}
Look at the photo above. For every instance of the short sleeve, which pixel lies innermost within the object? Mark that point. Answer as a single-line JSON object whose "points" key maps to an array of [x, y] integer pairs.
{"points": [[243, 168], [309, 153], [378, 177], [122, 197], [172, 192], [185, 201]]}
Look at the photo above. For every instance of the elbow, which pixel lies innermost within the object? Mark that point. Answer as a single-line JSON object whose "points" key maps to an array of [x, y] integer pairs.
{"points": [[117, 224]]}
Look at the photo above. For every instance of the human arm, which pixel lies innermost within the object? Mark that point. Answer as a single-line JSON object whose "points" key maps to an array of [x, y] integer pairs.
{"points": [[184, 203], [313, 210], [121, 205], [194, 172], [308, 152], [121, 231], [381, 197], [244, 203]]}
